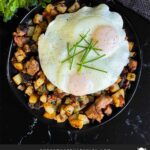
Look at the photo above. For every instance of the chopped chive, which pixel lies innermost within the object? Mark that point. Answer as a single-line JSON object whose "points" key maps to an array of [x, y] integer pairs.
{"points": [[92, 68], [94, 59], [73, 57], [68, 58]]}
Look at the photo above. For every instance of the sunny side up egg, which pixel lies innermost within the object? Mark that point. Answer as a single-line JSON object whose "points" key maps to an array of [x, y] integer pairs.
{"points": [[101, 26]]}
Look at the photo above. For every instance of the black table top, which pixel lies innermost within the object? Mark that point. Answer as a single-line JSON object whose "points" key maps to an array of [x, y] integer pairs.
{"points": [[132, 126]]}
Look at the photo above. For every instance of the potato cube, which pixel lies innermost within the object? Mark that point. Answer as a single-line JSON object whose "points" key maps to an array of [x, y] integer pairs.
{"points": [[49, 116], [21, 87], [61, 8], [131, 76], [83, 118], [37, 19], [49, 8], [74, 7], [49, 108], [36, 33], [118, 98], [61, 118], [118, 80], [68, 101], [132, 65], [76, 123], [29, 90], [43, 98], [18, 79], [69, 110], [20, 55], [131, 44], [115, 87], [40, 81], [33, 99], [26, 48], [50, 87], [18, 66]]}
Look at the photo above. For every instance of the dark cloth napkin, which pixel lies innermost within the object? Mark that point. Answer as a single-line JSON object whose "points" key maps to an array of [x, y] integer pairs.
{"points": [[142, 7]]}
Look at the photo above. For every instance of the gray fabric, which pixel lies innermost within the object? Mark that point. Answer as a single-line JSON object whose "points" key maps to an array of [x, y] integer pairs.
{"points": [[142, 7]]}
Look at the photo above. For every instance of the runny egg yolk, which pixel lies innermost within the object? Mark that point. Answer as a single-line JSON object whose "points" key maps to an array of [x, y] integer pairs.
{"points": [[106, 38], [79, 84]]}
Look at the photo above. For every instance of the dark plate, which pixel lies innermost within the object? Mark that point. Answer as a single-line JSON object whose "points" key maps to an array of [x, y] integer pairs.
{"points": [[131, 33]]}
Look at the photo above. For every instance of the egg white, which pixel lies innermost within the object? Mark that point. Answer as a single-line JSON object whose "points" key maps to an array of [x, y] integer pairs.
{"points": [[52, 48]]}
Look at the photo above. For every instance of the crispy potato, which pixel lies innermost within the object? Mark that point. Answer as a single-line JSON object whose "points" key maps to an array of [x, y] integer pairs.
{"points": [[33, 99], [118, 98], [49, 8], [74, 7], [49, 108], [30, 30], [26, 48], [118, 80], [49, 116], [40, 81], [131, 76], [43, 25], [50, 86], [43, 98], [115, 87], [61, 8], [37, 19], [37, 33], [29, 90], [18, 66], [68, 101], [61, 118], [69, 110], [17, 79], [20, 55], [131, 45], [108, 110], [21, 87]]}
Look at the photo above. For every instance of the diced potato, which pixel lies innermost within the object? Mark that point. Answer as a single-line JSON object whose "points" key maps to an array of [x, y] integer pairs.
{"points": [[40, 81], [118, 98], [21, 87], [43, 98], [49, 116], [20, 55], [37, 18], [69, 110], [54, 12], [131, 44], [36, 33], [18, 66], [29, 90], [78, 120], [61, 118], [131, 76], [84, 99], [58, 102], [61, 8], [49, 108], [108, 110], [33, 99], [74, 7], [30, 30], [83, 118], [49, 8], [132, 54], [17, 79], [62, 111], [50, 87], [76, 123], [26, 48], [115, 87]]}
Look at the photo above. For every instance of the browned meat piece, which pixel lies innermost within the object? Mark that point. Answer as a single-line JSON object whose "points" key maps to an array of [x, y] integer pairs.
{"points": [[102, 102], [20, 40], [32, 67], [92, 113], [108, 110], [133, 65]]}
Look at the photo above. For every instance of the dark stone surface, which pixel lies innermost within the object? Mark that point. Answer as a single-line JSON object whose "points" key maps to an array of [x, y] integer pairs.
{"points": [[130, 127]]}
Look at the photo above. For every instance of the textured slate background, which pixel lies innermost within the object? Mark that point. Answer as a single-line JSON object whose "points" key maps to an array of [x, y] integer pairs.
{"points": [[142, 7]]}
